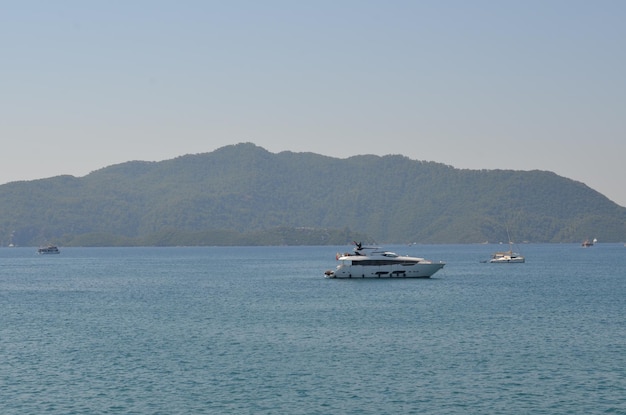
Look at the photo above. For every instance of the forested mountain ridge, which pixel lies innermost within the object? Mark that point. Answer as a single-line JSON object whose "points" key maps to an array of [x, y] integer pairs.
{"points": [[243, 194]]}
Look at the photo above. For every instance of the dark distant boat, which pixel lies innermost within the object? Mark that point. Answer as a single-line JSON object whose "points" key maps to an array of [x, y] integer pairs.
{"points": [[48, 250], [587, 243]]}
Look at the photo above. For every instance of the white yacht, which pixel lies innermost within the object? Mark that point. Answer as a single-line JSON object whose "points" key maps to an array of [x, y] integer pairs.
{"points": [[372, 262]]}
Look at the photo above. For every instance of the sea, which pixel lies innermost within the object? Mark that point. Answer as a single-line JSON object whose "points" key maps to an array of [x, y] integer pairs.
{"points": [[259, 330]]}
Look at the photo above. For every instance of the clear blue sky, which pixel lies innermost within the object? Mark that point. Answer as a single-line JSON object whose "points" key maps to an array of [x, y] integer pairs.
{"points": [[474, 84]]}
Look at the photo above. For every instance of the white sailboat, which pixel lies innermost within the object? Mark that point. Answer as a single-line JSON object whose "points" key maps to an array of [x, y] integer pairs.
{"points": [[507, 257]]}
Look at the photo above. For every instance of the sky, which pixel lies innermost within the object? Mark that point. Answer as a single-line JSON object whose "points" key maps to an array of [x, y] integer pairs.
{"points": [[520, 85]]}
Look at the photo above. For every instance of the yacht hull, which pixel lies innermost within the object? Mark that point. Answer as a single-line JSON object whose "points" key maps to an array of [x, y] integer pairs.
{"points": [[422, 270]]}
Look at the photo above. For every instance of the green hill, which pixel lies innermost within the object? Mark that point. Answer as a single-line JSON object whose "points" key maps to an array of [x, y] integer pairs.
{"points": [[245, 195]]}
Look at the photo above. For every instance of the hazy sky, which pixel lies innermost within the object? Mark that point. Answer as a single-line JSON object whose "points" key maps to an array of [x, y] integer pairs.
{"points": [[474, 84]]}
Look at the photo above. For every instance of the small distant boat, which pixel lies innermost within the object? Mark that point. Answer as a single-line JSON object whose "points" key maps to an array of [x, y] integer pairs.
{"points": [[587, 243], [48, 250]]}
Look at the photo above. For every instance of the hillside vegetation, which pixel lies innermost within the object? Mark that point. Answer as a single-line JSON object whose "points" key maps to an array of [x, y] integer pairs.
{"points": [[245, 195]]}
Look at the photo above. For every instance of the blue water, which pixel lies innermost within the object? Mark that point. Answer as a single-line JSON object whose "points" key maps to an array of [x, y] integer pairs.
{"points": [[258, 330]]}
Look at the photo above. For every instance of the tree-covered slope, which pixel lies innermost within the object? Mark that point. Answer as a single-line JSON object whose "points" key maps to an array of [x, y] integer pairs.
{"points": [[241, 191]]}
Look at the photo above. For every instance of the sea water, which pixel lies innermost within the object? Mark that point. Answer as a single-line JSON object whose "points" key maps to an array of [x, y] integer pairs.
{"points": [[258, 330]]}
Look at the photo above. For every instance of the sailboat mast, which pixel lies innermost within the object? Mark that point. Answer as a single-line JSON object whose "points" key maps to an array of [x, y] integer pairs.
{"points": [[508, 235]]}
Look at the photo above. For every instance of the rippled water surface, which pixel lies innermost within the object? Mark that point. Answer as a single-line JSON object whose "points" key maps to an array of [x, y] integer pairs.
{"points": [[258, 330]]}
